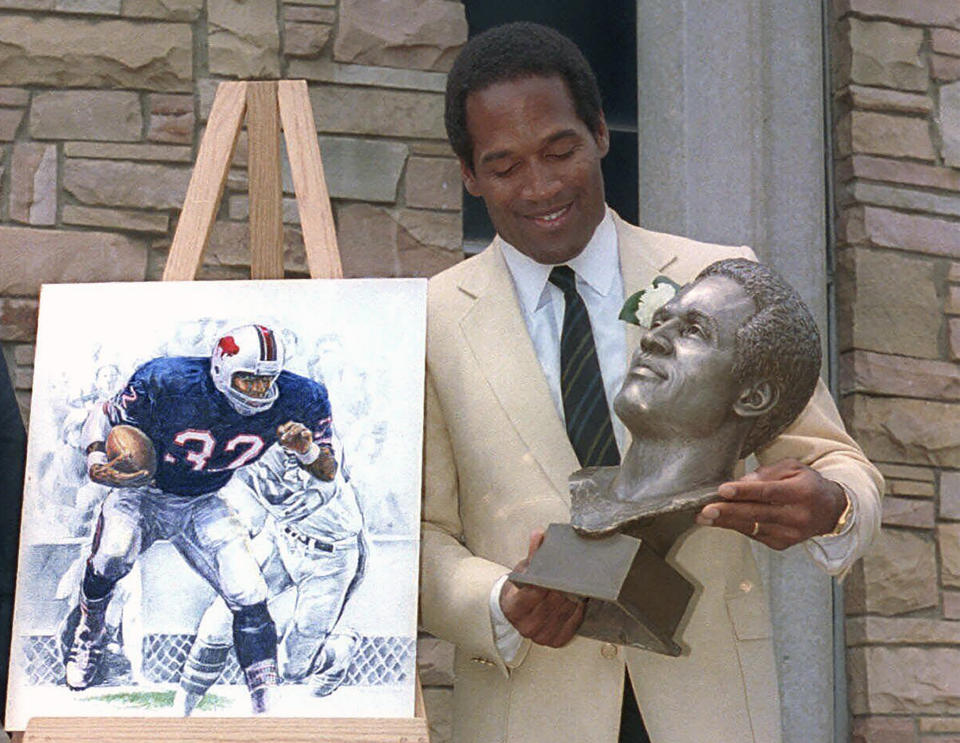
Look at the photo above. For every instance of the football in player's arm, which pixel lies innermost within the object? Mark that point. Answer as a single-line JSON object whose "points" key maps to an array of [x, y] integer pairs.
{"points": [[122, 458]]}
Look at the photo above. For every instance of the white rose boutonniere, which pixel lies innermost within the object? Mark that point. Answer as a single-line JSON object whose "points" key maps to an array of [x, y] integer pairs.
{"points": [[640, 306]]}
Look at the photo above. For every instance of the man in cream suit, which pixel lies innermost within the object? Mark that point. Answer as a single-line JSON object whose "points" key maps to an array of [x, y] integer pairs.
{"points": [[524, 116]]}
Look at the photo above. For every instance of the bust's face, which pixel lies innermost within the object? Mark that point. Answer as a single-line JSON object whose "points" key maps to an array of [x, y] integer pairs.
{"points": [[680, 382]]}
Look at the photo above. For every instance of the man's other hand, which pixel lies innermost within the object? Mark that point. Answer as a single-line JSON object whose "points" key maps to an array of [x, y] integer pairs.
{"points": [[779, 505], [546, 617]]}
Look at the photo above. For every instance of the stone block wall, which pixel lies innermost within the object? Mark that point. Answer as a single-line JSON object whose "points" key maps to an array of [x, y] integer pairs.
{"points": [[896, 85], [103, 104], [102, 107]]}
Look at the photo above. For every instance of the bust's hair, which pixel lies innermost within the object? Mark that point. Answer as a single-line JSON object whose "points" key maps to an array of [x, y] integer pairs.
{"points": [[779, 343], [511, 52]]}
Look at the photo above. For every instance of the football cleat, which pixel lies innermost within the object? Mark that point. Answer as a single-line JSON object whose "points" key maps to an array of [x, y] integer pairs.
{"points": [[333, 663], [184, 702], [325, 683], [200, 671], [89, 642], [261, 700], [252, 351], [261, 678]]}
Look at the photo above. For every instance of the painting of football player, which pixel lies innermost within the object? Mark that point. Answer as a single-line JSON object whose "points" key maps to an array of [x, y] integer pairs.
{"points": [[308, 539], [205, 417]]}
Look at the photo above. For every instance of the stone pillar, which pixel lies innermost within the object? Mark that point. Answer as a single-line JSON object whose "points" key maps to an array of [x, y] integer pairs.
{"points": [[732, 151], [896, 86]]}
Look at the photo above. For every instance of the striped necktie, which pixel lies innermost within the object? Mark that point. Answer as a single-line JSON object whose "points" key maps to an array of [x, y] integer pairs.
{"points": [[589, 428], [581, 385]]}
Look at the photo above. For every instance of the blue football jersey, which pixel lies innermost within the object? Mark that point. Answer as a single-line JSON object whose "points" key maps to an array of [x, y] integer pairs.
{"points": [[199, 438]]}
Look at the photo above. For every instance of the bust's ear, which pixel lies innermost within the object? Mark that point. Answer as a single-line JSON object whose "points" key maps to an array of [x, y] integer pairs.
{"points": [[756, 399]]}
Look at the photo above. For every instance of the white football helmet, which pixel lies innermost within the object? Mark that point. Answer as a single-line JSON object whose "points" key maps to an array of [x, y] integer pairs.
{"points": [[250, 349]]}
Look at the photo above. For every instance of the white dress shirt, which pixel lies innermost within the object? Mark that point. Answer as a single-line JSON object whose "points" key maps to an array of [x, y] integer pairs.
{"points": [[600, 284]]}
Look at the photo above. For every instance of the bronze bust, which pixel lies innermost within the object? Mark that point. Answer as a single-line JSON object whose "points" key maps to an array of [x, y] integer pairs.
{"points": [[725, 366]]}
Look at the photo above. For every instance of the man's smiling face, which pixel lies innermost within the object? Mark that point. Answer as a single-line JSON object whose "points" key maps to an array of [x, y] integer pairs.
{"points": [[680, 382], [536, 165]]}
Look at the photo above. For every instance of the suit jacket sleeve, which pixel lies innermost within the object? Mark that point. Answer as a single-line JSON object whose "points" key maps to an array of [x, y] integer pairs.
{"points": [[818, 438], [455, 584]]}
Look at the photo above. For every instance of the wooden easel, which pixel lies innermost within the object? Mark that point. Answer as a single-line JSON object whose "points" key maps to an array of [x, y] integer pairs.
{"points": [[268, 106]]}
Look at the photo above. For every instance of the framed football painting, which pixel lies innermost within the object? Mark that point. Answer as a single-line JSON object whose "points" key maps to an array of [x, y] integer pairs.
{"points": [[221, 510]]}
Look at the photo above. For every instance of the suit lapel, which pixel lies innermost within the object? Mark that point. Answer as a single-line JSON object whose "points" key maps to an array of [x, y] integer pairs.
{"points": [[497, 335], [642, 258], [494, 329]]}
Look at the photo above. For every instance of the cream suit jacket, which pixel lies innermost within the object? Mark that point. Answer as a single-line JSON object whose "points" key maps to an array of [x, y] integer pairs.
{"points": [[497, 460]]}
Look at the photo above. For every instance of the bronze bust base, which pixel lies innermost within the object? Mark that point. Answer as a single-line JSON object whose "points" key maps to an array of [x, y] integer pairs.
{"points": [[612, 554], [633, 596]]}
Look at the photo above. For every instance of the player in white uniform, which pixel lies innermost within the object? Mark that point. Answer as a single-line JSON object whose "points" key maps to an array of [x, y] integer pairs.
{"points": [[309, 538]]}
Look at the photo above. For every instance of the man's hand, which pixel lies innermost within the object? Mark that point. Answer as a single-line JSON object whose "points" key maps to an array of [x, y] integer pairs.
{"points": [[546, 617], [295, 437], [779, 505], [112, 475]]}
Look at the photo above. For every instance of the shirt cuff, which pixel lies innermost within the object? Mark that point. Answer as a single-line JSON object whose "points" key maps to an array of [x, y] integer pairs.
{"points": [[830, 552], [511, 645]]}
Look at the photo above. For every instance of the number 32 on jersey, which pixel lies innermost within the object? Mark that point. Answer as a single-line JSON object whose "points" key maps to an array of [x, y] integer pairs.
{"points": [[200, 446]]}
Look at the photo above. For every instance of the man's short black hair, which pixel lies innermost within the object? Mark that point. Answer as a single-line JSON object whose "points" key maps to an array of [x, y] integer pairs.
{"points": [[511, 52], [780, 343]]}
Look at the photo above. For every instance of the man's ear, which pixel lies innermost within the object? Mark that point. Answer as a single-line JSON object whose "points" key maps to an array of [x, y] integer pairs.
{"points": [[469, 178], [602, 136], [756, 399]]}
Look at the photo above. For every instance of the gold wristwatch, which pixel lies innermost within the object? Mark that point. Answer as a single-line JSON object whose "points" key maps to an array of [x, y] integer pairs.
{"points": [[844, 516]]}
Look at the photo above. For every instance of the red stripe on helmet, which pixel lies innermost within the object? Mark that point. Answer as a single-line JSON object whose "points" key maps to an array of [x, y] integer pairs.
{"points": [[268, 345]]}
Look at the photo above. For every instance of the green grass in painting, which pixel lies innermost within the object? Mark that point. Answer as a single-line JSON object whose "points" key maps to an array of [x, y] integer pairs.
{"points": [[157, 700]]}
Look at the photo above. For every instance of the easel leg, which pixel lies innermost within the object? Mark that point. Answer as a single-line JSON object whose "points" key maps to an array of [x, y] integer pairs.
{"points": [[313, 199], [266, 191], [206, 183]]}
